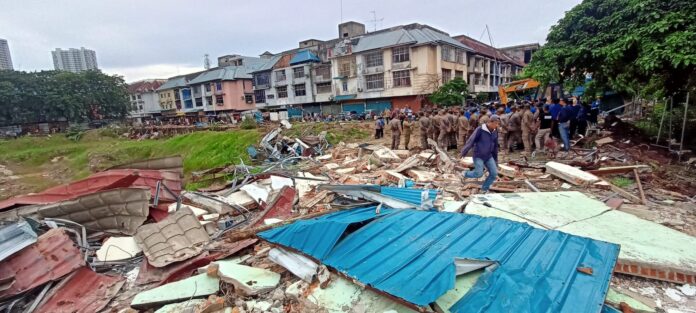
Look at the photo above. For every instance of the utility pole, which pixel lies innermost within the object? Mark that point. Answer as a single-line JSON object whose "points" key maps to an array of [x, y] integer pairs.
{"points": [[206, 62], [375, 20]]}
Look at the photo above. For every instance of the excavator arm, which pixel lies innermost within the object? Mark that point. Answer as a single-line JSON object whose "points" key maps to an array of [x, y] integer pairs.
{"points": [[515, 86]]}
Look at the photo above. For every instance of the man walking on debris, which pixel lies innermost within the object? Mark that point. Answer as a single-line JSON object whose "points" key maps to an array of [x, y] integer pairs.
{"points": [[395, 127], [444, 130], [408, 128], [564, 117], [379, 128], [424, 123], [544, 132], [463, 124], [434, 126], [514, 128], [484, 141], [451, 134], [527, 128]]}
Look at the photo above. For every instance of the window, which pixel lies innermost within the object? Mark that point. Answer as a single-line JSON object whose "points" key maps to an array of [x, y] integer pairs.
{"points": [[209, 100], [298, 72], [374, 59], [280, 75], [446, 75], [400, 54], [139, 97], [218, 86], [324, 71], [528, 56], [375, 81], [262, 79], [402, 78], [461, 56], [207, 87], [260, 96], [176, 96], [218, 100], [324, 87], [344, 69], [345, 86], [282, 91], [459, 74], [448, 54], [199, 102], [249, 98], [300, 90]]}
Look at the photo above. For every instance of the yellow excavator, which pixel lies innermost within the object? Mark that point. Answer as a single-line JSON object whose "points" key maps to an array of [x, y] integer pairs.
{"points": [[551, 91]]}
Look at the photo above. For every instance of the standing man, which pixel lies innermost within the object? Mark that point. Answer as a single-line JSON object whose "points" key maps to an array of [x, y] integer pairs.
{"points": [[395, 127], [502, 128], [424, 123], [408, 129], [379, 128], [527, 128], [564, 117], [443, 136], [483, 117], [463, 125], [574, 111], [484, 141], [452, 133], [544, 131], [434, 126], [514, 128]]}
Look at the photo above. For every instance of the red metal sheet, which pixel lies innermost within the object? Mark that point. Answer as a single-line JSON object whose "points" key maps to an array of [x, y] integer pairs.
{"points": [[110, 179], [72, 190], [84, 291], [281, 207], [54, 255]]}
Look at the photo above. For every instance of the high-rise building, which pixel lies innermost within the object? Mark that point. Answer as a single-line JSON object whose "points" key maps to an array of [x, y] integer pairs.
{"points": [[5, 58], [74, 60]]}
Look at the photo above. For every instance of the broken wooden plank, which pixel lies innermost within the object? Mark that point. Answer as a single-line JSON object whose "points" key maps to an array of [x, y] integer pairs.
{"points": [[640, 187], [618, 169], [629, 196]]}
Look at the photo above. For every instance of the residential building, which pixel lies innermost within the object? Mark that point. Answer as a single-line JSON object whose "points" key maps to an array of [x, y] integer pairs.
{"points": [[74, 60], [522, 53], [175, 96], [395, 67], [5, 57], [144, 99], [488, 67], [226, 89], [297, 80]]}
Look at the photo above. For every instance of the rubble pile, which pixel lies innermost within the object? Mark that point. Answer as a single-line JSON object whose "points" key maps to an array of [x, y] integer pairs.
{"points": [[355, 227]]}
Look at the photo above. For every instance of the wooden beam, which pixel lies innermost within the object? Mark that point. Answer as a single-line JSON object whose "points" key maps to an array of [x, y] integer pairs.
{"points": [[624, 193], [617, 169], [640, 187]]}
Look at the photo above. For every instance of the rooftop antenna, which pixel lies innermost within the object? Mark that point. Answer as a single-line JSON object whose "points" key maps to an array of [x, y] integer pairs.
{"points": [[206, 62], [341, 11], [375, 20]]}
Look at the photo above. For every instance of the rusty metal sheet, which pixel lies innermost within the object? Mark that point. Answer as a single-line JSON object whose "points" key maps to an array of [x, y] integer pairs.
{"points": [[119, 210], [75, 189], [178, 237], [170, 163], [281, 207], [54, 255], [82, 292], [149, 178]]}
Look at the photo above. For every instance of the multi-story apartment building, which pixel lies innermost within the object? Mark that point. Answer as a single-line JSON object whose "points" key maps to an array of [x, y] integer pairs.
{"points": [[144, 99], [5, 57], [175, 95], [74, 60], [298, 80], [395, 67], [522, 53], [488, 67], [224, 90]]}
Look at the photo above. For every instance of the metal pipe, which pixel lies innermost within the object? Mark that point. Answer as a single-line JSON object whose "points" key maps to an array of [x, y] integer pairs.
{"points": [[686, 110]]}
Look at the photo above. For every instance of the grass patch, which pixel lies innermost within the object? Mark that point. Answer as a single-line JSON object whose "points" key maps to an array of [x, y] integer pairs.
{"points": [[335, 132], [622, 182]]}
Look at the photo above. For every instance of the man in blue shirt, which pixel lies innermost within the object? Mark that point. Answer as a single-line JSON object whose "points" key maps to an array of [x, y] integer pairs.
{"points": [[484, 141], [564, 117]]}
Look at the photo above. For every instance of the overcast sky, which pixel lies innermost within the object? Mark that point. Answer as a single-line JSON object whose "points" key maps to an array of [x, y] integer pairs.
{"points": [[163, 38]]}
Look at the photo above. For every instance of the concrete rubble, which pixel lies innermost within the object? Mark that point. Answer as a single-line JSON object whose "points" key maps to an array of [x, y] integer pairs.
{"points": [[168, 250]]}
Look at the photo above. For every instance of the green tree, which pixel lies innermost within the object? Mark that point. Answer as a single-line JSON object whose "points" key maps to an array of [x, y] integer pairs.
{"points": [[631, 46], [450, 94]]}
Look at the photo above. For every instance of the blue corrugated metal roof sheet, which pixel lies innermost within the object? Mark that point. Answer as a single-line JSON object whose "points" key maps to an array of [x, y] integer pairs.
{"points": [[304, 56], [344, 97], [410, 254], [316, 237], [15, 237], [410, 195]]}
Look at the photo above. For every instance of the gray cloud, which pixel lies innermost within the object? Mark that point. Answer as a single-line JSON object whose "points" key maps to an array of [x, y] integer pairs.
{"points": [[160, 38]]}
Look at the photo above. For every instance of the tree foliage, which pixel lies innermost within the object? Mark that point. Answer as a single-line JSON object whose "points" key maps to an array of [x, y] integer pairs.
{"points": [[450, 94], [48, 96], [631, 46]]}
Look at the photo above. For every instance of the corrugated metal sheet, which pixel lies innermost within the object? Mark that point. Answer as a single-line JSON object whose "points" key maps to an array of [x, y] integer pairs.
{"points": [[54, 255], [281, 207], [317, 236], [304, 56], [410, 195], [15, 237], [410, 254], [83, 292], [171, 163]]}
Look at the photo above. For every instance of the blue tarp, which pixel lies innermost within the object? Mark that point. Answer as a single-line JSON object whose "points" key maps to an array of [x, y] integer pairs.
{"points": [[410, 254], [304, 56]]}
